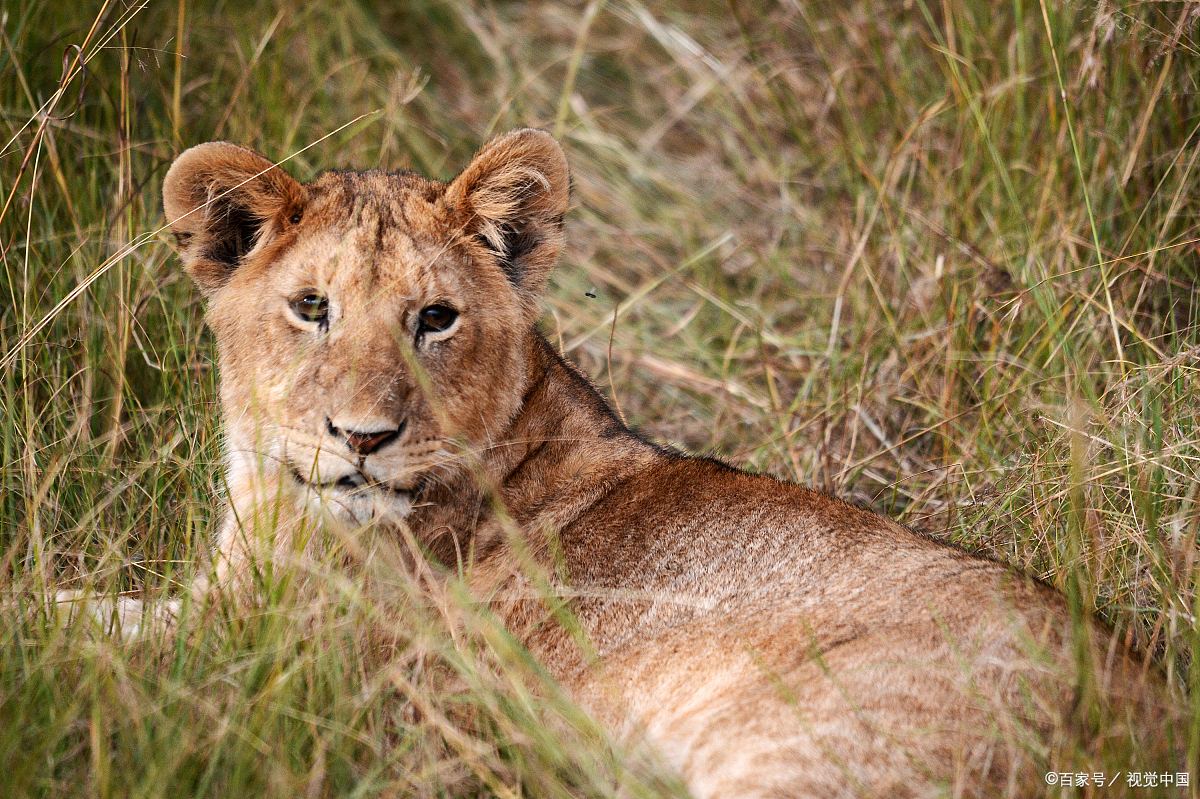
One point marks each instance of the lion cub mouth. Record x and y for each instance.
(355, 483)
(356, 497)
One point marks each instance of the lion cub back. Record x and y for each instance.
(771, 640)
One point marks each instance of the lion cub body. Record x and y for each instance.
(380, 366)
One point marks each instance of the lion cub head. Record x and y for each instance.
(371, 326)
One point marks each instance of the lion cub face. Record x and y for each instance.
(371, 326)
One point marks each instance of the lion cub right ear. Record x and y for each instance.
(512, 197)
(221, 200)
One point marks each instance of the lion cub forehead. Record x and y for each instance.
(402, 200)
(343, 189)
(395, 221)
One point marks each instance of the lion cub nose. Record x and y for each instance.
(364, 443)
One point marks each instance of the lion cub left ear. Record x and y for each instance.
(221, 201)
(512, 196)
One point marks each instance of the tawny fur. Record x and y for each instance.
(765, 639)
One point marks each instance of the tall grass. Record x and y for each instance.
(940, 258)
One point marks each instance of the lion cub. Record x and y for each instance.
(380, 365)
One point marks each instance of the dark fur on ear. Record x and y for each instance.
(512, 197)
(221, 200)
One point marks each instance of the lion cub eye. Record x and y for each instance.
(311, 308)
(437, 318)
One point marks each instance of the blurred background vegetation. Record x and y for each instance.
(941, 258)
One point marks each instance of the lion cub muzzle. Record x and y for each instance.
(360, 471)
(362, 442)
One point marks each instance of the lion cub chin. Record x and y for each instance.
(380, 361)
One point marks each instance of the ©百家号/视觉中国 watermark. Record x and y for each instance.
(1131, 779)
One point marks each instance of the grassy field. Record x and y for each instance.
(940, 258)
